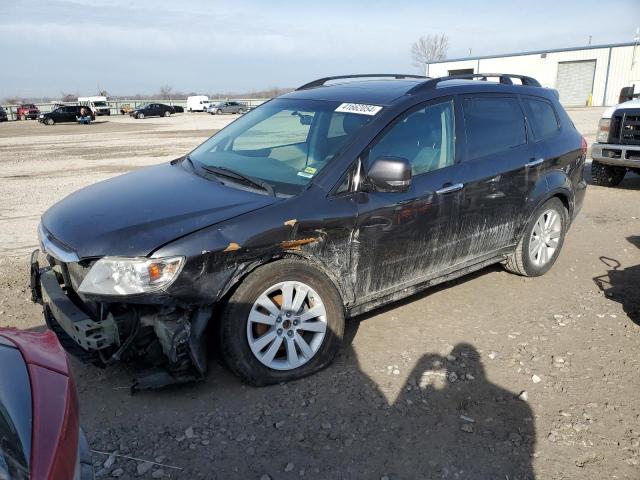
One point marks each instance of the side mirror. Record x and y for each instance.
(390, 174)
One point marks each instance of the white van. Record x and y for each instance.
(98, 104)
(197, 103)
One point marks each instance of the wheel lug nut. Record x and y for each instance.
(279, 331)
(288, 314)
(295, 322)
(290, 333)
(279, 319)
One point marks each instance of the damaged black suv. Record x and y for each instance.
(344, 195)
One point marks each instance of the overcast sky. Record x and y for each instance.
(136, 46)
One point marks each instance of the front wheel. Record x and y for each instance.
(49, 121)
(241, 111)
(606, 175)
(218, 112)
(542, 241)
(284, 321)
(167, 113)
(140, 116)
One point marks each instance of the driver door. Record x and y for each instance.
(403, 238)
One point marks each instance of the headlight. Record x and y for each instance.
(603, 130)
(128, 276)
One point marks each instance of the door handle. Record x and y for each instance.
(450, 188)
(534, 163)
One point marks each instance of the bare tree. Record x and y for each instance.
(429, 48)
(165, 92)
(68, 97)
(102, 93)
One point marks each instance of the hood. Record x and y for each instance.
(135, 213)
(608, 113)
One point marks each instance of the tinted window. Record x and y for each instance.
(424, 137)
(542, 118)
(493, 125)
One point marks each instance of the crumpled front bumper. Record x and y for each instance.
(46, 289)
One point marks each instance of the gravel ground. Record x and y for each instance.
(491, 376)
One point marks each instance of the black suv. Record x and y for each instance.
(66, 113)
(152, 110)
(318, 205)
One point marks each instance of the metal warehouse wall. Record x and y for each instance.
(619, 60)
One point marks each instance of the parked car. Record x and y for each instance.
(197, 103)
(65, 113)
(39, 421)
(27, 111)
(3, 115)
(226, 107)
(152, 110)
(316, 206)
(617, 147)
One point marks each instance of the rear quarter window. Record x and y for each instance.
(493, 124)
(541, 117)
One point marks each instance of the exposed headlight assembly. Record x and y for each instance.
(129, 276)
(603, 130)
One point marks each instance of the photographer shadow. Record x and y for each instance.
(622, 285)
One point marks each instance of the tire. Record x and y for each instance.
(49, 121)
(606, 175)
(236, 326)
(219, 112)
(167, 113)
(140, 116)
(522, 261)
(22, 117)
(241, 111)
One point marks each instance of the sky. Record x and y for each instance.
(50, 47)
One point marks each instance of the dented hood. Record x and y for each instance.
(135, 213)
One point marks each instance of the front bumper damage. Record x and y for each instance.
(167, 342)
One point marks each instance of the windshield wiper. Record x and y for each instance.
(229, 173)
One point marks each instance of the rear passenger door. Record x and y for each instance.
(498, 175)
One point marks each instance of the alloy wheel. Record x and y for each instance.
(286, 325)
(545, 238)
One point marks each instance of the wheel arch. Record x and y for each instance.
(244, 271)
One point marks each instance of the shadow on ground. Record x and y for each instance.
(622, 285)
(444, 419)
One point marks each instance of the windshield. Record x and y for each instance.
(100, 104)
(283, 142)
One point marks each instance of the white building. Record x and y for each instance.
(592, 75)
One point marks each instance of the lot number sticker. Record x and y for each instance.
(359, 108)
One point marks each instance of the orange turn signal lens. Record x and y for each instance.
(154, 272)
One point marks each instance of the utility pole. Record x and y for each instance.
(589, 39)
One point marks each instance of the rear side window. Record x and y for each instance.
(542, 118)
(493, 125)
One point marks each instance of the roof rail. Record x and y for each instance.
(504, 78)
(321, 81)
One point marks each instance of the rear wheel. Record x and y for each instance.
(541, 242)
(606, 175)
(219, 112)
(241, 111)
(285, 321)
(167, 113)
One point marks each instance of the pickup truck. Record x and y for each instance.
(617, 147)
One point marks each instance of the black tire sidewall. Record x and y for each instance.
(535, 270)
(235, 346)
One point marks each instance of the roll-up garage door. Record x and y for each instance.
(575, 82)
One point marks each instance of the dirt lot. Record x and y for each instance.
(491, 376)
